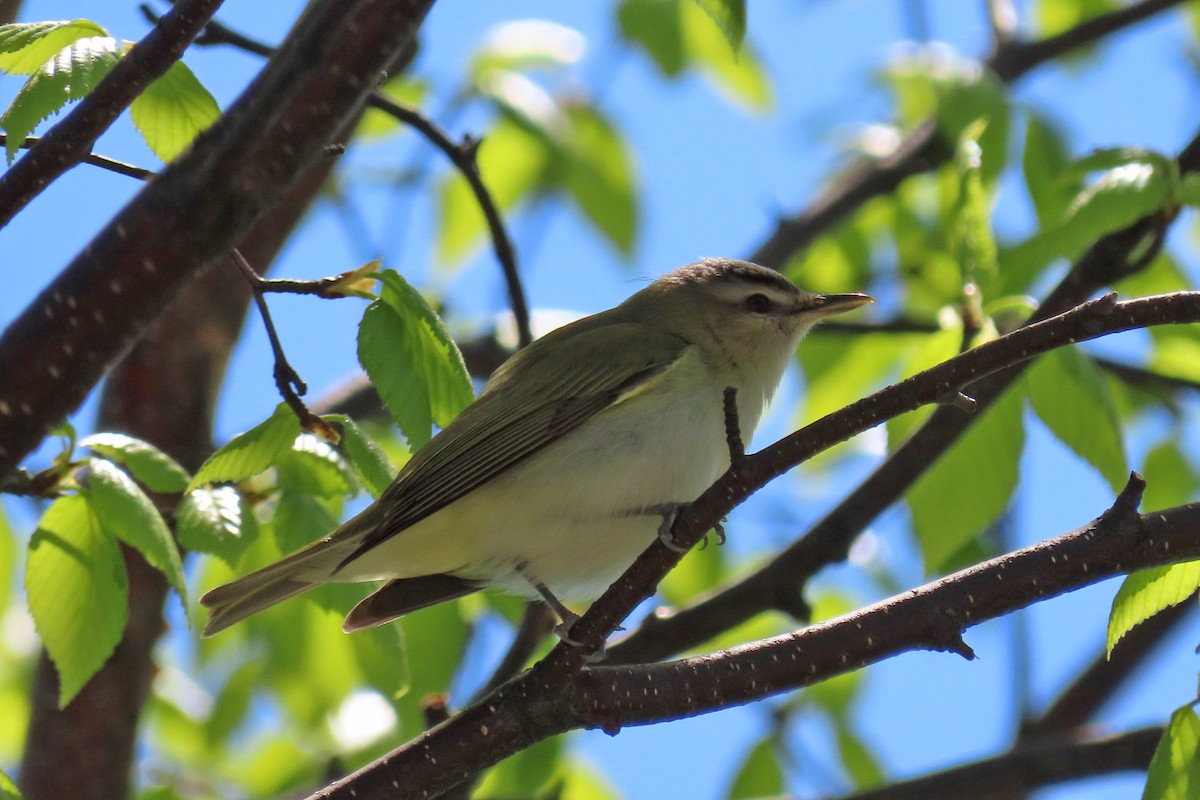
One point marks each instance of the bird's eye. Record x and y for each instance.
(758, 303)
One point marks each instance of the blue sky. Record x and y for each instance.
(703, 193)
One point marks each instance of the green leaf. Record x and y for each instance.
(8, 561)
(760, 774)
(704, 34)
(1044, 165)
(8, 789)
(857, 758)
(656, 27)
(963, 100)
(172, 111)
(25, 47)
(730, 16)
(524, 774)
(734, 69)
(412, 361)
(1052, 17)
(1174, 772)
(217, 521)
(370, 462)
(1170, 479)
(70, 75)
(975, 247)
(513, 162)
(77, 587)
(300, 519)
(934, 349)
(1147, 592)
(315, 467)
(145, 462)
(1116, 200)
(125, 512)
(232, 703)
(600, 177)
(968, 488)
(1074, 401)
(252, 452)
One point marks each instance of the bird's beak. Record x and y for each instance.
(826, 305)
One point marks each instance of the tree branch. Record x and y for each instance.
(70, 140)
(546, 701)
(193, 212)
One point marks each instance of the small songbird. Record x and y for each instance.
(579, 451)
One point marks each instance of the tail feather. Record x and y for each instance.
(274, 583)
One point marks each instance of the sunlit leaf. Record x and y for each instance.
(1055, 16)
(315, 467)
(1174, 772)
(525, 44)
(217, 521)
(735, 70)
(125, 512)
(145, 462)
(525, 773)
(412, 360)
(730, 16)
(655, 26)
(172, 111)
(1147, 592)
(70, 75)
(26, 46)
(76, 582)
(8, 789)
(1072, 398)
(971, 484)
(252, 452)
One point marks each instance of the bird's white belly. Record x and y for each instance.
(578, 512)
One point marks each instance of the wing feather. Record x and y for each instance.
(596, 366)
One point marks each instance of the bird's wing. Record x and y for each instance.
(596, 367)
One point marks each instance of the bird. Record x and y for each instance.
(578, 452)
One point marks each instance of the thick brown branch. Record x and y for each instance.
(70, 140)
(193, 212)
(545, 701)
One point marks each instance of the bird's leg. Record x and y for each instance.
(567, 617)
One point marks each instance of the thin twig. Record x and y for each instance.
(287, 379)
(461, 154)
(110, 164)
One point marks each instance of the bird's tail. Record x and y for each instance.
(274, 583)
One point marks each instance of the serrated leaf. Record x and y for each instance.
(1174, 772)
(512, 163)
(600, 177)
(1147, 592)
(315, 467)
(412, 360)
(252, 452)
(125, 512)
(968, 488)
(759, 775)
(217, 521)
(149, 465)
(1074, 401)
(172, 111)
(26, 46)
(370, 462)
(77, 586)
(70, 75)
